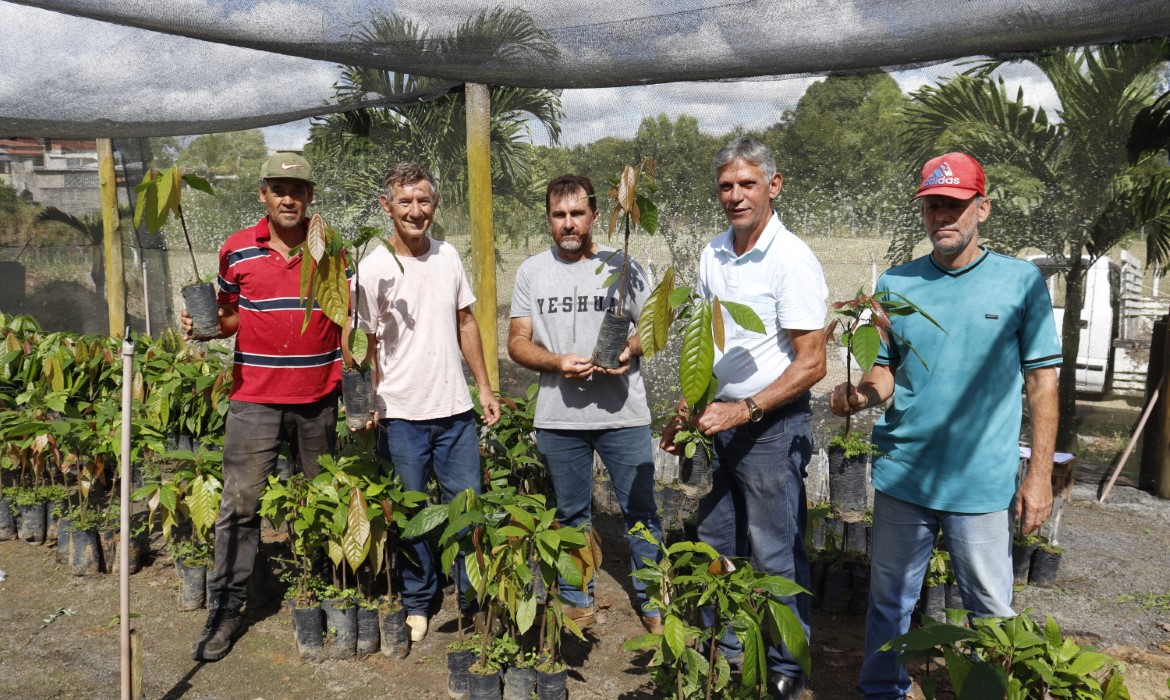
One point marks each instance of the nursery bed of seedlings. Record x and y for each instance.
(61, 638)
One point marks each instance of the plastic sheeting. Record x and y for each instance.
(137, 67)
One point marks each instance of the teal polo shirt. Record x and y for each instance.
(950, 438)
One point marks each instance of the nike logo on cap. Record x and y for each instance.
(289, 166)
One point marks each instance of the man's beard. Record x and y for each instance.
(570, 245)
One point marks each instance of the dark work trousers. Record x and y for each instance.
(253, 436)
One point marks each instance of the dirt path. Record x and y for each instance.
(1121, 548)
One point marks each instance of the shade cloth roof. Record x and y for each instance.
(135, 68)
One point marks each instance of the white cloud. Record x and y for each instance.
(1038, 91)
(60, 67)
(719, 107)
(287, 137)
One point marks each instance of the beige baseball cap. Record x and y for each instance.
(288, 166)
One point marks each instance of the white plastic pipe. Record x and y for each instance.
(126, 473)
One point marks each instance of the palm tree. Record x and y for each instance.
(424, 118)
(1068, 186)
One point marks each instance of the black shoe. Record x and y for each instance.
(223, 624)
(782, 687)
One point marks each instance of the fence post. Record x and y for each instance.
(483, 250)
(1154, 473)
(112, 239)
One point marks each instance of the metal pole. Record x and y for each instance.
(145, 295)
(111, 240)
(126, 476)
(483, 251)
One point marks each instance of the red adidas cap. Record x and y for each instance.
(955, 175)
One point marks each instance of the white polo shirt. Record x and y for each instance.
(782, 281)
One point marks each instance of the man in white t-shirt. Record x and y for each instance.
(760, 421)
(419, 322)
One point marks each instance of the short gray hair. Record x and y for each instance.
(749, 150)
(403, 174)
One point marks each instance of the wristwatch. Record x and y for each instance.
(755, 413)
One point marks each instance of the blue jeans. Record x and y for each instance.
(757, 508)
(626, 452)
(253, 435)
(449, 447)
(903, 537)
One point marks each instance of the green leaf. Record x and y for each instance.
(526, 614)
(359, 345)
(985, 682)
(755, 666)
(929, 636)
(164, 195)
(425, 520)
(784, 625)
(332, 289)
(203, 503)
(641, 642)
(865, 344)
(567, 567)
(679, 296)
(697, 358)
(744, 316)
(717, 332)
(197, 183)
(648, 210)
(654, 322)
(356, 541)
(674, 631)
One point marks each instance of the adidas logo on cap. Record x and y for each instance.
(955, 175)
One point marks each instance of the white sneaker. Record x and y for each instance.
(418, 627)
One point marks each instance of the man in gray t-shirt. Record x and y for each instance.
(558, 304)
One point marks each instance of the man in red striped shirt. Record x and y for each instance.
(284, 382)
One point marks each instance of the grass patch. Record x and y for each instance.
(1147, 601)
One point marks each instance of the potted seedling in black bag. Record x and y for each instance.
(703, 330)
(159, 194)
(635, 209)
(865, 323)
(328, 258)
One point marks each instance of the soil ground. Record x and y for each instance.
(1114, 550)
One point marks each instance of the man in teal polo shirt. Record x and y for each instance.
(948, 444)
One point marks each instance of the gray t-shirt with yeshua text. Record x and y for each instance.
(566, 302)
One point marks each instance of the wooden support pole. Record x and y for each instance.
(136, 665)
(1154, 474)
(112, 239)
(483, 250)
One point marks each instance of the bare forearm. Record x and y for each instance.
(1041, 388)
(472, 347)
(805, 371)
(229, 320)
(528, 354)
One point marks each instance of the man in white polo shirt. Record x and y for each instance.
(760, 422)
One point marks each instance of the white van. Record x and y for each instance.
(1099, 317)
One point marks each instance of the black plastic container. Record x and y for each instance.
(611, 340)
(341, 622)
(202, 308)
(309, 627)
